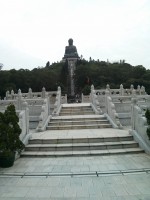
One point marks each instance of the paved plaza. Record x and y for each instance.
(112, 177)
(121, 177)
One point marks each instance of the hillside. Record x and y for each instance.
(98, 73)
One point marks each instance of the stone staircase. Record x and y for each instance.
(95, 146)
(77, 122)
(76, 110)
(79, 132)
(78, 117)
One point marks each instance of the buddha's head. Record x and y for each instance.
(70, 41)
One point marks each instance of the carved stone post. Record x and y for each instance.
(25, 104)
(131, 88)
(133, 103)
(43, 92)
(19, 100)
(12, 94)
(30, 95)
(7, 95)
(139, 90)
(134, 93)
(143, 90)
(121, 90)
(107, 93)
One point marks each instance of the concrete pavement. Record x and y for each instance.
(112, 177)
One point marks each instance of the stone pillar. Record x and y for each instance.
(12, 94)
(133, 103)
(70, 80)
(30, 95)
(71, 69)
(134, 93)
(143, 90)
(7, 95)
(107, 93)
(19, 100)
(43, 92)
(25, 104)
(131, 88)
(138, 90)
(108, 87)
(121, 90)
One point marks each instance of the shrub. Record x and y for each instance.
(147, 114)
(10, 131)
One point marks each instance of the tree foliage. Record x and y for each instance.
(10, 131)
(99, 73)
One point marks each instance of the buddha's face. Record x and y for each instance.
(70, 41)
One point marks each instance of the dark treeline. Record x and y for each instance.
(98, 73)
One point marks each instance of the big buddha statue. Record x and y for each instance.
(70, 50)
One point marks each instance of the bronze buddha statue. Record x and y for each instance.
(71, 50)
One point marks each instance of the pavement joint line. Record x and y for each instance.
(96, 173)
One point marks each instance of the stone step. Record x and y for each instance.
(77, 122)
(81, 140)
(76, 113)
(79, 118)
(81, 153)
(84, 126)
(77, 109)
(81, 146)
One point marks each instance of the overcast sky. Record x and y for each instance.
(33, 32)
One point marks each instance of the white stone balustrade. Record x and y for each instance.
(57, 105)
(111, 111)
(33, 107)
(24, 123)
(30, 95)
(139, 125)
(85, 98)
(44, 116)
(122, 91)
(64, 99)
(94, 101)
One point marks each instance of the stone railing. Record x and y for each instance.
(24, 124)
(85, 98)
(64, 99)
(44, 116)
(143, 102)
(139, 126)
(121, 91)
(30, 95)
(94, 100)
(34, 107)
(111, 112)
(57, 105)
(123, 109)
(5, 103)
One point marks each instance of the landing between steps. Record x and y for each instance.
(83, 133)
(76, 104)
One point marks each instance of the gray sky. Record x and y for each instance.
(36, 31)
